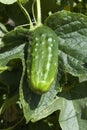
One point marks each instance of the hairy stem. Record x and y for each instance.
(38, 12)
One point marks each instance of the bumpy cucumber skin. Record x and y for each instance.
(42, 59)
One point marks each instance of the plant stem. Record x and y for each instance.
(33, 11)
(38, 12)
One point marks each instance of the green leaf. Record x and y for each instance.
(18, 36)
(9, 55)
(8, 1)
(74, 108)
(71, 29)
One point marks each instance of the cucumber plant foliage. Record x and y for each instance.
(43, 68)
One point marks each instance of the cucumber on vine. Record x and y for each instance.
(42, 61)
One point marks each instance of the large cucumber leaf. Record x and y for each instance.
(71, 28)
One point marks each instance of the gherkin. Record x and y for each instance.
(42, 61)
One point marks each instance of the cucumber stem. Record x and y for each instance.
(38, 12)
(33, 11)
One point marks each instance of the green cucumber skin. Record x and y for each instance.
(42, 60)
